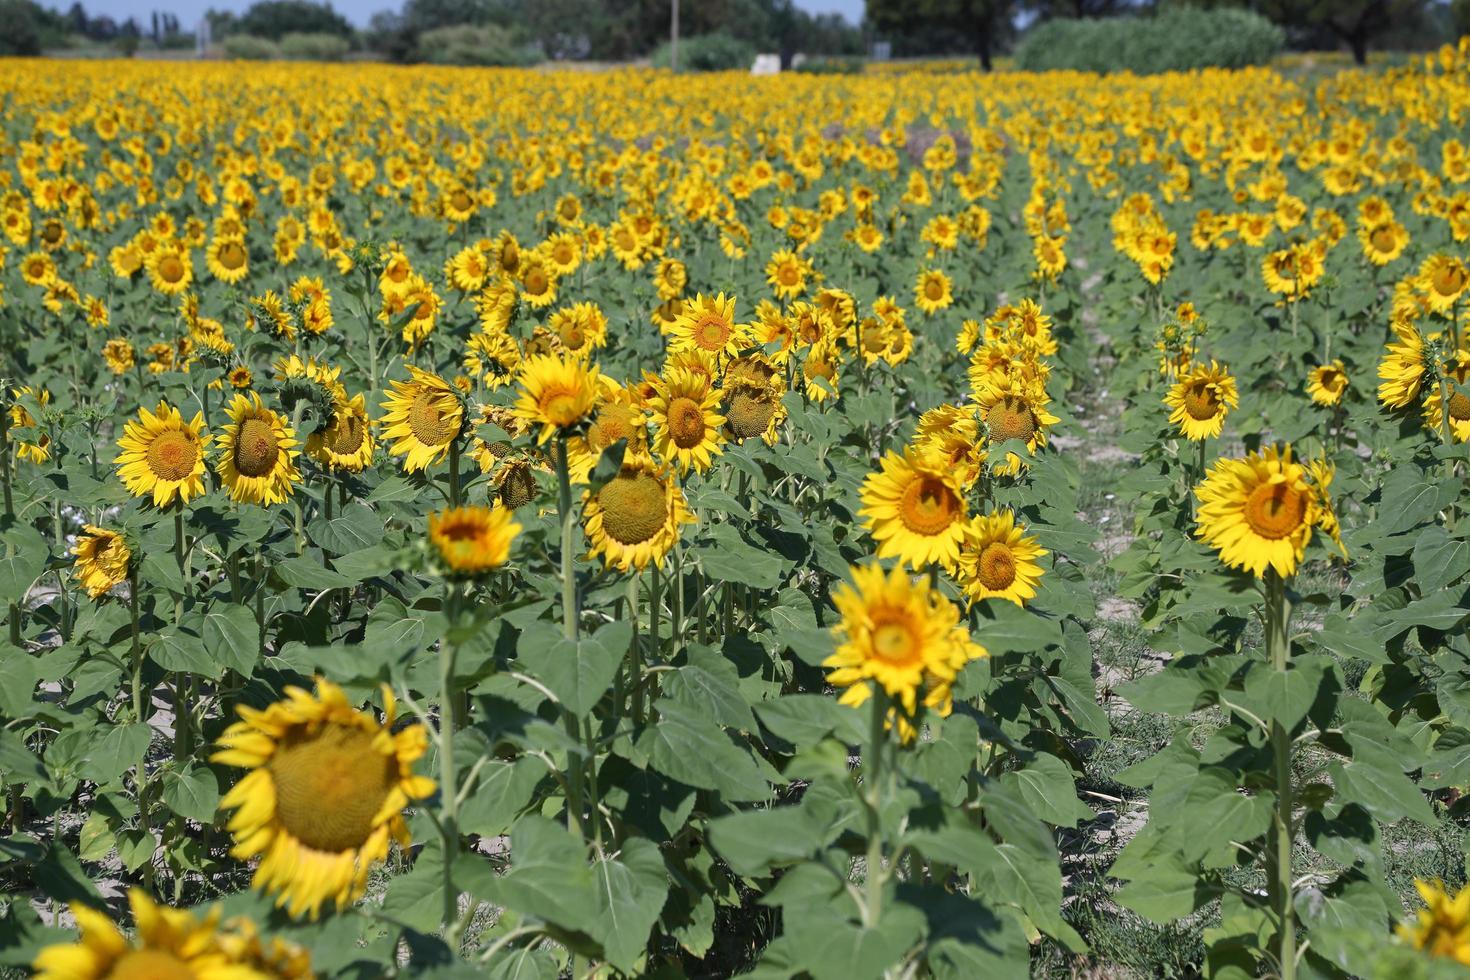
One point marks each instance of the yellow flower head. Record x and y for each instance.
(998, 559)
(1200, 399)
(914, 508)
(102, 559)
(1442, 927)
(163, 456)
(422, 418)
(634, 519)
(1259, 512)
(557, 393)
(257, 461)
(470, 541)
(1327, 382)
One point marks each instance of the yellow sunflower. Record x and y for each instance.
(1403, 366)
(1442, 927)
(1384, 241)
(686, 421)
(901, 635)
(1014, 410)
(1458, 374)
(556, 393)
(422, 418)
(102, 558)
(933, 291)
(633, 520)
(227, 259)
(324, 795)
(914, 508)
(168, 944)
(707, 323)
(162, 455)
(998, 559)
(346, 442)
(1443, 280)
(752, 399)
(787, 274)
(581, 328)
(470, 541)
(1200, 400)
(170, 269)
(1327, 382)
(257, 460)
(1258, 512)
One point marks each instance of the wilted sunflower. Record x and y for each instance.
(998, 559)
(346, 442)
(556, 393)
(422, 418)
(686, 421)
(900, 634)
(1258, 512)
(324, 795)
(707, 323)
(162, 455)
(470, 541)
(914, 509)
(168, 944)
(1200, 400)
(1442, 927)
(257, 460)
(933, 291)
(633, 520)
(102, 558)
(1327, 382)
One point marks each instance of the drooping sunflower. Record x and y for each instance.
(707, 323)
(470, 541)
(901, 635)
(345, 443)
(162, 455)
(821, 371)
(619, 416)
(556, 393)
(915, 510)
(933, 291)
(1442, 927)
(102, 559)
(998, 559)
(257, 460)
(1200, 400)
(633, 520)
(1403, 366)
(168, 943)
(324, 795)
(686, 421)
(422, 417)
(1327, 382)
(1258, 512)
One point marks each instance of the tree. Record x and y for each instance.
(1354, 22)
(276, 18)
(934, 25)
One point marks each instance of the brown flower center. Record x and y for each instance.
(231, 256)
(427, 419)
(1010, 418)
(150, 964)
(996, 566)
(1449, 279)
(749, 415)
(686, 422)
(933, 290)
(572, 335)
(346, 434)
(788, 274)
(536, 282)
(1460, 407)
(256, 448)
(1382, 240)
(711, 332)
(928, 506)
(517, 486)
(562, 408)
(170, 269)
(634, 508)
(172, 455)
(1201, 401)
(330, 783)
(874, 339)
(461, 201)
(1275, 510)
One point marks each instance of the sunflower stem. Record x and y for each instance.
(13, 614)
(569, 624)
(137, 650)
(635, 660)
(454, 471)
(872, 773)
(448, 786)
(1278, 647)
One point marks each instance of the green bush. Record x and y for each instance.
(835, 65)
(248, 47)
(314, 47)
(473, 44)
(1177, 40)
(707, 52)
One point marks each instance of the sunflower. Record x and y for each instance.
(422, 418)
(162, 455)
(168, 943)
(901, 635)
(914, 509)
(538, 282)
(1200, 400)
(1014, 409)
(257, 453)
(707, 323)
(633, 520)
(1403, 366)
(670, 278)
(1442, 927)
(227, 259)
(787, 274)
(102, 559)
(820, 370)
(619, 416)
(933, 291)
(324, 795)
(118, 353)
(1327, 382)
(1457, 373)
(346, 442)
(1383, 242)
(170, 269)
(998, 559)
(38, 269)
(752, 399)
(1258, 512)
(581, 328)
(556, 393)
(1443, 280)
(470, 541)
(686, 421)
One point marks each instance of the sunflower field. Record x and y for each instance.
(480, 522)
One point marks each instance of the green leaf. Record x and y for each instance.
(687, 746)
(23, 557)
(1439, 559)
(711, 684)
(357, 526)
(549, 877)
(116, 750)
(728, 557)
(755, 841)
(182, 651)
(578, 672)
(301, 572)
(1284, 696)
(193, 794)
(416, 899)
(502, 790)
(18, 763)
(1047, 787)
(1381, 790)
(805, 719)
(629, 891)
(231, 635)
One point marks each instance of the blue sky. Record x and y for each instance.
(357, 11)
